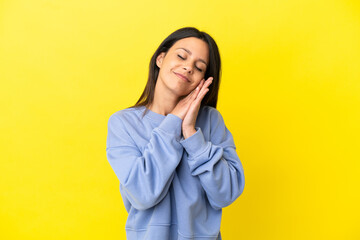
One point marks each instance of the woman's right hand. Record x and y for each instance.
(183, 105)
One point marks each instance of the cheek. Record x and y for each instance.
(201, 75)
(198, 79)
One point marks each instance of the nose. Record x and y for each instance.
(188, 68)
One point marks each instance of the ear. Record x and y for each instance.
(159, 59)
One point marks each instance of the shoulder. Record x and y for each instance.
(127, 115)
(211, 114)
(212, 119)
(126, 111)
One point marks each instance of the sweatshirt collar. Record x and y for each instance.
(155, 117)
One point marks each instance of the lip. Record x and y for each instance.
(182, 77)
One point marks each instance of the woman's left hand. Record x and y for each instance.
(188, 124)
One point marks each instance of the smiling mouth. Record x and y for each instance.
(182, 77)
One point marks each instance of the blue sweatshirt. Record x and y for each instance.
(173, 188)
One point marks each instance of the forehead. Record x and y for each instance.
(196, 46)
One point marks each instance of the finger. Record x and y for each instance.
(206, 85)
(201, 83)
(202, 94)
(196, 92)
(197, 89)
(209, 81)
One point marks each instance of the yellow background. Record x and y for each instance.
(290, 94)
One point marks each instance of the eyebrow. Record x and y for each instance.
(191, 53)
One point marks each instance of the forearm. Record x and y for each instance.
(218, 168)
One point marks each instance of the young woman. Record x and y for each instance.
(172, 153)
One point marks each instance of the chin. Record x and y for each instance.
(181, 92)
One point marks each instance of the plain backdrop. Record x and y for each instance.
(290, 95)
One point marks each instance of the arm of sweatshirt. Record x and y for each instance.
(144, 177)
(216, 162)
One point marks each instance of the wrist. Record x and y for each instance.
(188, 132)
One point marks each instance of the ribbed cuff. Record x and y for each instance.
(172, 125)
(195, 144)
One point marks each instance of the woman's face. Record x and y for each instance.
(183, 66)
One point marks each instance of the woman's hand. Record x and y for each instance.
(188, 124)
(183, 105)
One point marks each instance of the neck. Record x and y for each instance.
(164, 100)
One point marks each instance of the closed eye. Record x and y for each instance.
(195, 66)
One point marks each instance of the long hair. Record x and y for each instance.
(213, 68)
